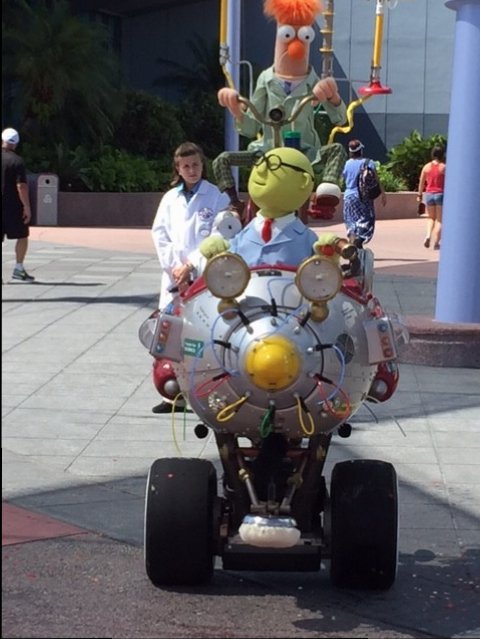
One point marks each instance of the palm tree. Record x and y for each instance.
(61, 80)
(200, 115)
(204, 75)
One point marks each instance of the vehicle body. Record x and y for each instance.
(274, 361)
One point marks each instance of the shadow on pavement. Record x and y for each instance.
(136, 300)
(435, 594)
(45, 283)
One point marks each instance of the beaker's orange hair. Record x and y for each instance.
(292, 11)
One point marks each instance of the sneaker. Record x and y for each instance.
(22, 275)
(436, 247)
(426, 242)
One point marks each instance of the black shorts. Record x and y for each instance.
(13, 226)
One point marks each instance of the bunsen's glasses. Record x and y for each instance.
(274, 162)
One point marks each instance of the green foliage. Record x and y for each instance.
(105, 168)
(390, 182)
(64, 83)
(199, 114)
(149, 126)
(68, 164)
(202, 119)
(38, 159)
(203, 75)
(407, 158)
(102, 169)
(117, 171)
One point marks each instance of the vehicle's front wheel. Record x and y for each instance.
(364, 524)
(179, 521)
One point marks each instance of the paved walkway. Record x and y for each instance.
(78, 437)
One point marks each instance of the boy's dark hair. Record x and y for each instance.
(184, 150)
(438, 153)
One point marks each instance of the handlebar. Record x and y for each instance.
(276, 116)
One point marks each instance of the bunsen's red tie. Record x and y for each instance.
(267, 230)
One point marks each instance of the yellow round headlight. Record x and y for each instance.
(273, 363)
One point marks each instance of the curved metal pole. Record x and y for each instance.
(350, 109)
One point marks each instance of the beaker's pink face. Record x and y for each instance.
(292, 49)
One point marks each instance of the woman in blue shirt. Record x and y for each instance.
(358, 214)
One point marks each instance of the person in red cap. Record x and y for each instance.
(16, 213)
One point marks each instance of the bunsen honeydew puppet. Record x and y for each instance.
(287, 81)
(279, 183)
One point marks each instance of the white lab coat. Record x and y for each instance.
(179, 227)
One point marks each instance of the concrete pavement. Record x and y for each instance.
(78, 438)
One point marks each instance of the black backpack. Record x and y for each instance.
(367, 183)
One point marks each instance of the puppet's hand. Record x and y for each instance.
(212, 246)
(326, 246)
(332, 247)
(229, 98)
(326, 90)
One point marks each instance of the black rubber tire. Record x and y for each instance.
(179, 521)
(364, 524)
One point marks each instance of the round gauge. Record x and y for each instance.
(318, 279)
(226, 275)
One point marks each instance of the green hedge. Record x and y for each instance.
(139, 155)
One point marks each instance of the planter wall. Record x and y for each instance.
(107, 209)
(138, 209)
